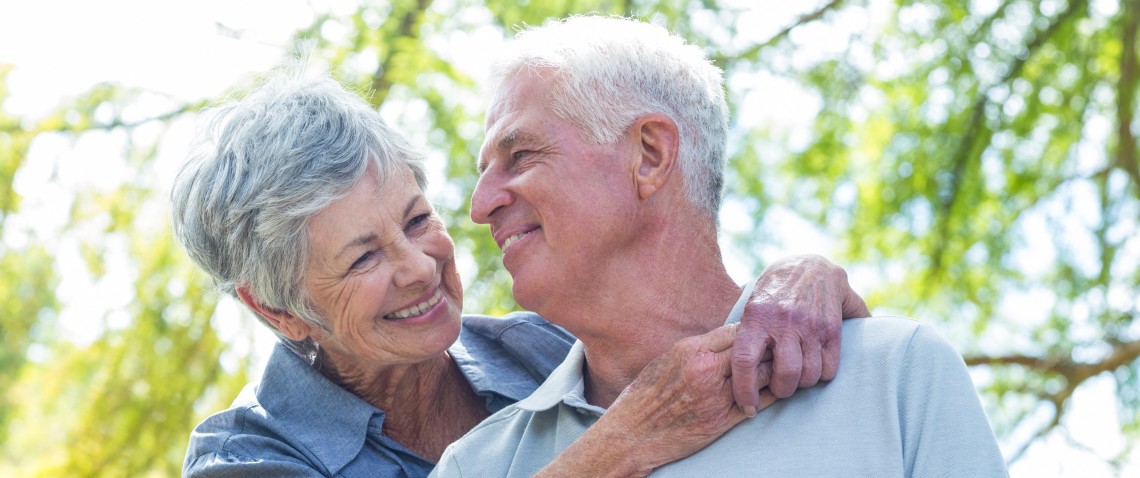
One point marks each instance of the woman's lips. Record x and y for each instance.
(417, 309)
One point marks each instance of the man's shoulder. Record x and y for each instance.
(891, 326)
(897, 334)
(889, 332)
(500, 423)
(503, 433)
(899, 383)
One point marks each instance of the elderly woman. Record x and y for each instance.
(300, 201)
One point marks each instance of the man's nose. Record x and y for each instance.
(490, 194)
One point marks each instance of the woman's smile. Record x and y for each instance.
(416, 309)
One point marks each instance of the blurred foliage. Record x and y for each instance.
(981, 157)
(977, 160)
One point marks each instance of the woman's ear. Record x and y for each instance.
(656, 135)
(293, 327)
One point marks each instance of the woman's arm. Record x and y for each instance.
(678, 404)
(684, 400)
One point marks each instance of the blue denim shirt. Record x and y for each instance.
(298, 423)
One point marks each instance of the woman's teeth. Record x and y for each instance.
(418, 308)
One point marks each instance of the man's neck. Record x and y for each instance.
(655, 296)
(612, 363)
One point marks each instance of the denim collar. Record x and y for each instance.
(333, 423)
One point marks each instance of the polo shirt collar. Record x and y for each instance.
(567, 383)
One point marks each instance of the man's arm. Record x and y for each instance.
(795, 316)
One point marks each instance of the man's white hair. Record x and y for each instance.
(608, 71)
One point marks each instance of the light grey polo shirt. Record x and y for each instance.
(902, 405)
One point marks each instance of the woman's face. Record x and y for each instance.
(381, 272)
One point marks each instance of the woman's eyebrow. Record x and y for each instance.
(359, 241)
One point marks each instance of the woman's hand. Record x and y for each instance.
(705, 385)
(795, 314)
(678, 404)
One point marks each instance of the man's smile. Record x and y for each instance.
(514, 237)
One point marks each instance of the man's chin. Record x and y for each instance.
(531, 286)
(526, 297)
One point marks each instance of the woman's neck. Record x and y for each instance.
(427, 405)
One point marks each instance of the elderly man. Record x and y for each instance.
(601, 178)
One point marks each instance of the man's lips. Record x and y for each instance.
(511, 238)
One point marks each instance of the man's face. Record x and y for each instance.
(559, 206)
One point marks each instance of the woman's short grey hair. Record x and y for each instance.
(261, 167)
(609, 71)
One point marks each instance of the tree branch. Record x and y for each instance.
(119, 123)
(801, 21)
(409, 28)
(1126, 96)
(1075, 374)
(1123, 353)
(999, 12)
(966, 144)
(1040, 433)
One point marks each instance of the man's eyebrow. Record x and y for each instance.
(505, 143)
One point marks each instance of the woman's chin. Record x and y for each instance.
(435, 329)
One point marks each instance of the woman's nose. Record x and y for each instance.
(415, 266)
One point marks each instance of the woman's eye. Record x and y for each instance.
(361, 261)
(418, 220)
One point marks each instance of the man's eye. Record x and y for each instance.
(523, 159)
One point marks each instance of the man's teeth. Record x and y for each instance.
(418, 308)
(511, 240)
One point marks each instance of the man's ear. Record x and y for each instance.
(293, 327)
(657, 141)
